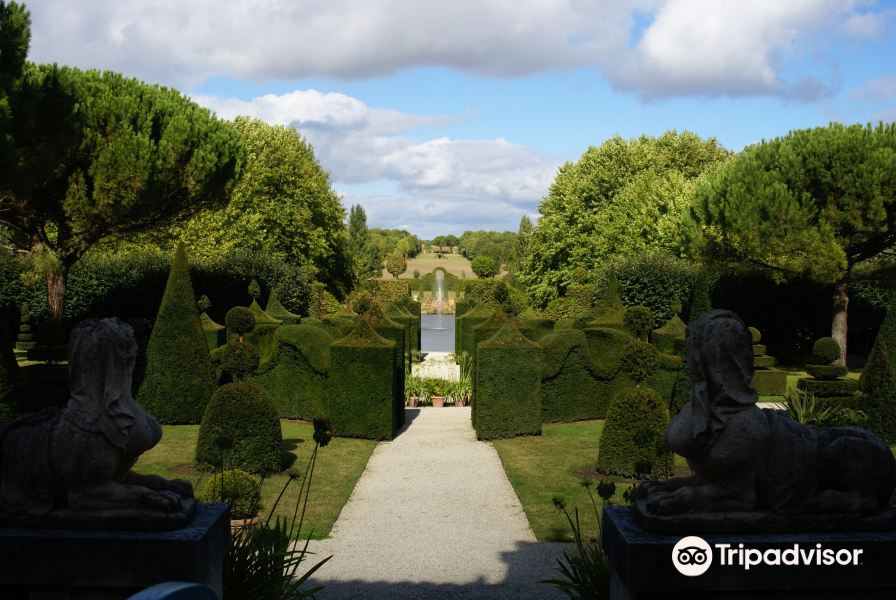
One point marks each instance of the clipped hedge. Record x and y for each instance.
(670, 337)
(394, 332)
(362, 388)
(415, 309)
(399, 315)
(633, 442)
(654, 281)
(8, 374)
(179, 377)
(388, 292)
(476, 316)
(482, 291)
(570, 389)
(215, 334)
(878, 385)
(506, 394)
(240, 429)
(296, 375)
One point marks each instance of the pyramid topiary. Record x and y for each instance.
(879, 389)
(179, 377)
(278, 311)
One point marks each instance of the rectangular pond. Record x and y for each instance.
(437, 333)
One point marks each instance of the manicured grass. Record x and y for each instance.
(553, 465)
(425, 263)
(339, 465)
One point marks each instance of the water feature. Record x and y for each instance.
(438, 328)
(438, 295)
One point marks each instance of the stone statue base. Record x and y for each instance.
(642, 567)
(113, 564)
(761, 521)
(122, 519)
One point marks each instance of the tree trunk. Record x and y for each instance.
(838, 321)
(56, 280)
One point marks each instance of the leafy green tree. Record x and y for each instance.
(283, 205)
(15, 35)
(484, 266)
(816, 202)
(502, 246)
(96, 154)
(388, 241)
(366, 262)
(396, 264)
(621, 198)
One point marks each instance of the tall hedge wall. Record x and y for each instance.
(8, 374)
(415, 309)
(474, 317)
(399, 315)
(394, 332)
(506, 393)
(362, 392)
(179, 376)
(390, 291)
(571, 388)
(297, 373)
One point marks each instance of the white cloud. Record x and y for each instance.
(881, 89)
(687, 47)
(442, 184)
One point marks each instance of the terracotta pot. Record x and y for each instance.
(411, 402)
(236, 524)
(438, 401)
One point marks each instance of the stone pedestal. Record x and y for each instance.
(642, 565)
(63, 564)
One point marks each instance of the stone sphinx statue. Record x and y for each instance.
(760, 470)
(72, 469)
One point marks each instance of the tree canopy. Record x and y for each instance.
(816, 202)
(388, 241)
(283, 205)
(484, 266)
(621, 198)
(366, 262)
(499, 245)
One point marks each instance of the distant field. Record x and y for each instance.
(453, 263)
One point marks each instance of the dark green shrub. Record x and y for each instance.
(878, 385)
(239, 358)
(242, 416)
(204, 303)
(239, 320)
(8, 374)
(828, 388)
(701, 302)
(481, 292)
(388, 292)
(394, 332)
(261, 317)
(650, 280)
(506, 386)
(681, 392)
(633, 442)
(215, 334)
(638, 320)
(565, 307)
(362, 388)
(639, 360)
(476, 316)
(825, 350)
(179, 377)
(296, 375)
(236, 488)
(254, 290)
(827, 371)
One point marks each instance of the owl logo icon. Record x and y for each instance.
(692, 556)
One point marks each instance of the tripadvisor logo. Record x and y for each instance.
(693, 556)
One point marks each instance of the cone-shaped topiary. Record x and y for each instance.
(633, 442)
(236, 488)
(276, 310)
(179, 375)
(879, 387)
(700, 301)
(240, 429)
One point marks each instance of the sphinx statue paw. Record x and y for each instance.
(164, 500)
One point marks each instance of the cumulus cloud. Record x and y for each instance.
(446, 183)
(656, 48)
(881, 89)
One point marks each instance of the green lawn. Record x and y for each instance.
(338, 468)
(554, 464)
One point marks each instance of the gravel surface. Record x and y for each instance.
(434, 516)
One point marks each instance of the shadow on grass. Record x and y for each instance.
(524, 568)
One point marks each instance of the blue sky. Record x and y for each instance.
(439, 117)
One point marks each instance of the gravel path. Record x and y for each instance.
(433, 516)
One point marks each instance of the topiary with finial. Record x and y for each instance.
(239, 320)
(825, 351)
(254, 290)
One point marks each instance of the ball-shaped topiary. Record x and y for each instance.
(363, 303)
(633, 443)
(825, 350)
(236, 488)
(240, 358)
(243, 416)
(239, 320)
(755, 335)
(639, 321)
(484, 266)
(639, 360)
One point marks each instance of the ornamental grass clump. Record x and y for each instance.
(263, 561)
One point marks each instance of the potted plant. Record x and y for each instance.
(438, 390)
(412, 390)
